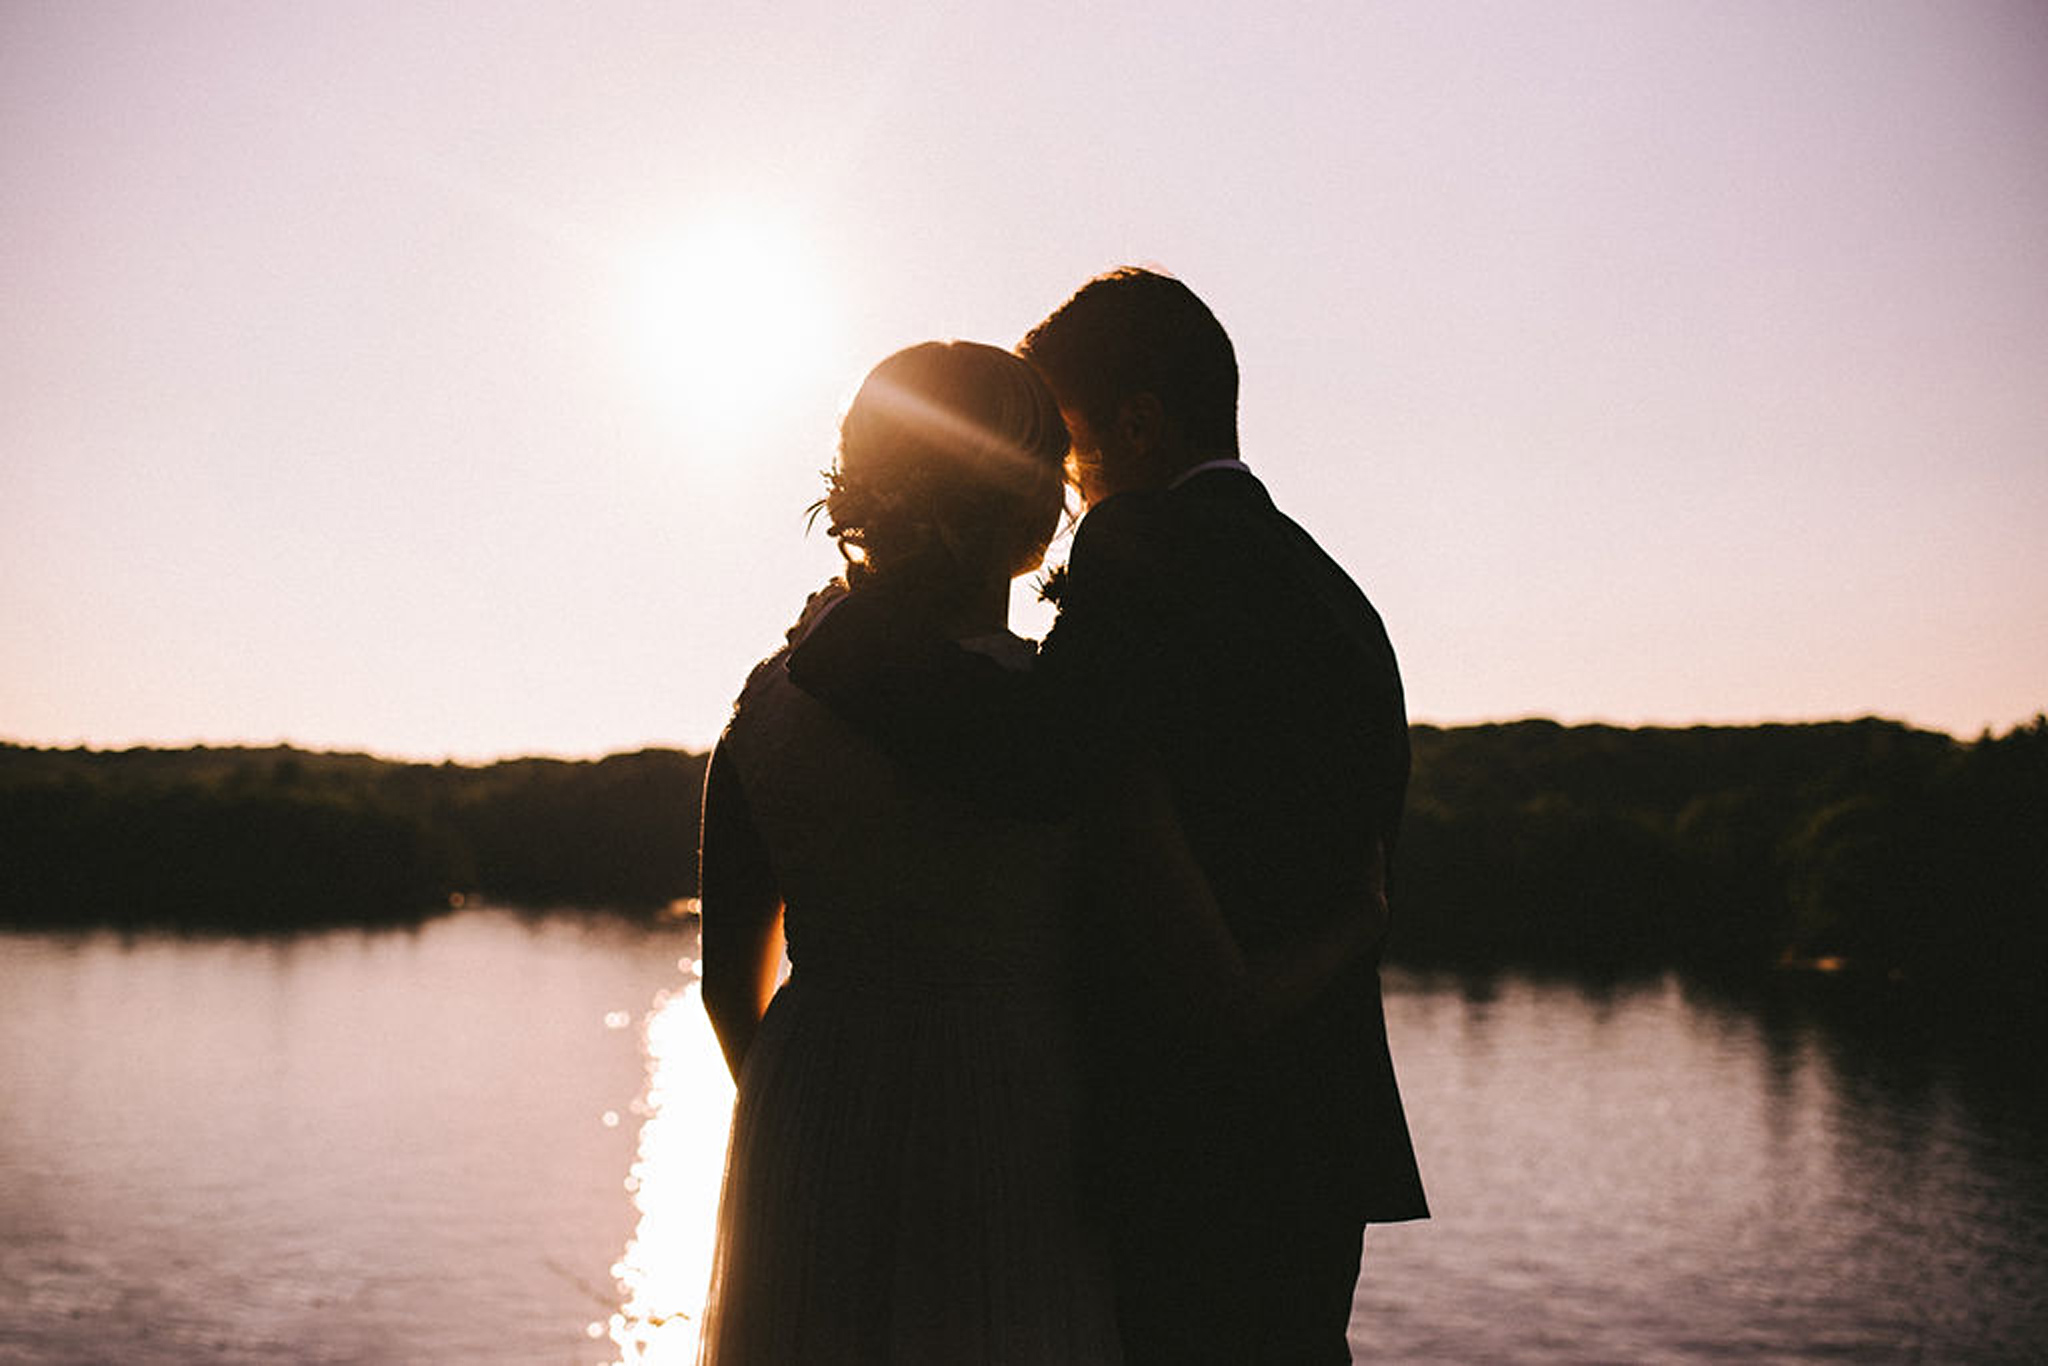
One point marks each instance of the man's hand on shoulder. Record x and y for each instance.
(864, 634)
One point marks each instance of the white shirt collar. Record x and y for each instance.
(1206, 466)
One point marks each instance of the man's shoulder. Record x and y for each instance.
(1124, 534)
(1164, 517)
(1134, 512)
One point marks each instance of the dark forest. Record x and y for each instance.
(1864, 850)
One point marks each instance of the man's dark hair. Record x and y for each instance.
(1134, 331)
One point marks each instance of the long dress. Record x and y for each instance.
(900, 1183)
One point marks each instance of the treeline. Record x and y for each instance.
(280, 838)
(1890, 853)
(1865, 847)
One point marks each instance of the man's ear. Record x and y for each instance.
(1141, 423)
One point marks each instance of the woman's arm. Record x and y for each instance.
(1145, 874)
(741, 925)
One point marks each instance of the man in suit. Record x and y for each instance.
(1206, 642)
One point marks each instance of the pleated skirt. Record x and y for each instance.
(900, 1185)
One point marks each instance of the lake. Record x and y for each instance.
(495, 1138)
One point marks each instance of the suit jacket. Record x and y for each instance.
(1206, 633)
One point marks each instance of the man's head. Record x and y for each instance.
(1145, 376)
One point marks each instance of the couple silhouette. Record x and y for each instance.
(1080, 1057)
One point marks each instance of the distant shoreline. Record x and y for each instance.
(282, 746)
(1862, 851)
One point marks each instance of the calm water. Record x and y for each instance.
(493, 1140)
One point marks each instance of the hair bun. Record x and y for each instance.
(950, 468)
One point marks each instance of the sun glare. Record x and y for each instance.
(729, 320)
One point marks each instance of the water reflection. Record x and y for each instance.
(345, 1148)
(666, 1266)
(1660, 1171)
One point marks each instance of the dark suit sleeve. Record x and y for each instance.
(954, 717)
(1016, 743)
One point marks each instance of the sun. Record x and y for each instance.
(728, 320)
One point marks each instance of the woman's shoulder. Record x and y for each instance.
(815, 608)
(774, 669)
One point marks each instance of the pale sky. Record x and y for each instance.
(451, 379)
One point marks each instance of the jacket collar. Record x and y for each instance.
(1208, 465)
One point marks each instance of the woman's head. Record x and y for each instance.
(950, 469)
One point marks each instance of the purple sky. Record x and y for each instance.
(394, 376)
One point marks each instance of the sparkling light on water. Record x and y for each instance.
(1620, 1171)
(666, 1266)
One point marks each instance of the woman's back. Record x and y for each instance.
(901, 1182)
(873, 865)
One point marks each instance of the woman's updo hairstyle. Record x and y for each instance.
(950, 468)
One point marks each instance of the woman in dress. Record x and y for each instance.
(900, 1185)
